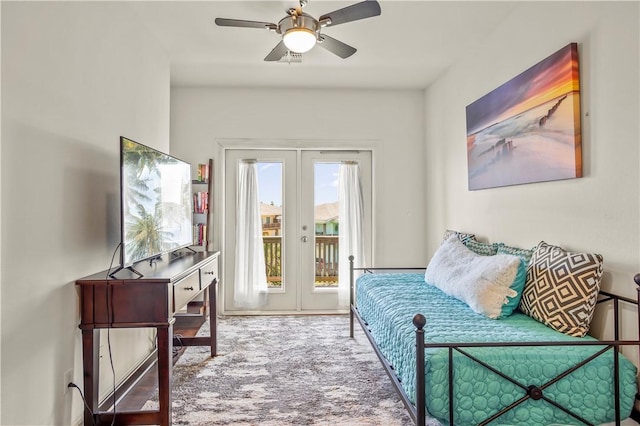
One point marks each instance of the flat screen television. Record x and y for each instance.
(155, 203)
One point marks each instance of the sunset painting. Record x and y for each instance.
(528, 129)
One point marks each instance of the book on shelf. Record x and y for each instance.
(200, 234)
(201, 202)
(203, 173)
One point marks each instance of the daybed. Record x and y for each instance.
(529, 362)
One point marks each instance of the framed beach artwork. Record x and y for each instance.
(528, 129)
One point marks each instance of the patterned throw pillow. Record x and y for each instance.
(461, 235)
(483, 249)
(524, 254)
(562, 288)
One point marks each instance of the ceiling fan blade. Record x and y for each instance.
(277, 53)
(336, 46)
(362, 10)
(224, 22)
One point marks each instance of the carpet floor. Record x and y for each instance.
(284, 370)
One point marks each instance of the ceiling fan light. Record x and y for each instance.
(299, 40)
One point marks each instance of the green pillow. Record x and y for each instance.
(521, 276)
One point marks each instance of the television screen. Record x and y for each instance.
(156, 202)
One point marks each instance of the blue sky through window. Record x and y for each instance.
(270, 182)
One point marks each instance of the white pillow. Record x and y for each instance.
(482, 282)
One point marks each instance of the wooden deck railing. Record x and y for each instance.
(326, 254)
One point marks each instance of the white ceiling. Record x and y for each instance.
(409, 45)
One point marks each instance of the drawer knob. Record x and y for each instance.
(209, 273)
(188, 288)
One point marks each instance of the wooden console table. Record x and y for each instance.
(129, 301)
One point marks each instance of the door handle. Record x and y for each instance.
(304, 239)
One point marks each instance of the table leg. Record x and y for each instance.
(213, 316)
(91, 370)
(165, 368)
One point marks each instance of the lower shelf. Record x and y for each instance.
(194, 309)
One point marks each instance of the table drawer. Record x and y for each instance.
(208, 273)
(185, 290)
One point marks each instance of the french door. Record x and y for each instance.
(299, 209)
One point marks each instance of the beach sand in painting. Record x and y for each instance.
(536, 145)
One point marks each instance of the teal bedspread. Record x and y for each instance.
(388, 302)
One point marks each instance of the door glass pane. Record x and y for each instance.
(326, 220)
(271, 212)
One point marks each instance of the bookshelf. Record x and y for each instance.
(202, 206)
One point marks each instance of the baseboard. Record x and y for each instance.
(127, 384)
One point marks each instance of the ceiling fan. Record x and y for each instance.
(301, 31)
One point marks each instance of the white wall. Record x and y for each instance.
(200, 118)
(75, 76)
(0, 209)
(599, 212)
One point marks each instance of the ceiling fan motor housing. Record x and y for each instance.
(299, 22)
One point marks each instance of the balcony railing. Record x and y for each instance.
(326, 260)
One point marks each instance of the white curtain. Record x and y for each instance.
(250, 274)
(351, 238)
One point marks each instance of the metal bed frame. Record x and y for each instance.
(418, 411)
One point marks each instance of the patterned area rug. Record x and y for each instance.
(284, 370)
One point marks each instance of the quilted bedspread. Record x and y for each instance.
(388, 302)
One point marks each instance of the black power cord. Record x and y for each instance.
(109, 301)
(86, 405)
(178, 346)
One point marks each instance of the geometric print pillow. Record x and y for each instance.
(562, 288)
(483, 249)
(462, 236)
